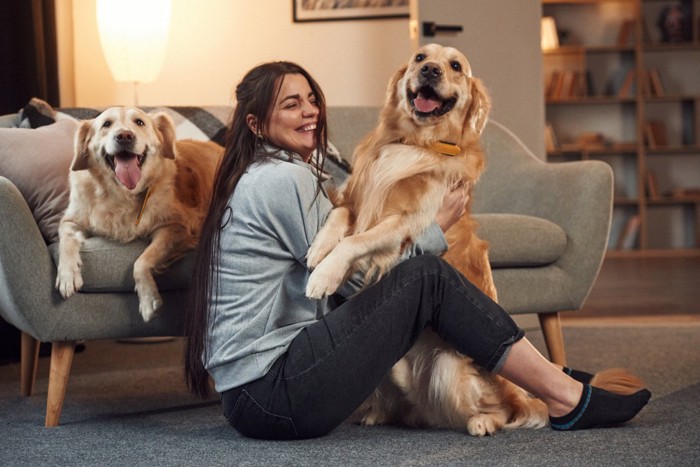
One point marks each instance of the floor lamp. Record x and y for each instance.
(134, 37)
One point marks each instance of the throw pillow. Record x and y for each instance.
(38, 161)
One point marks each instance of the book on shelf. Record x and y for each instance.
(551, 85)
(566, 84)
(550, 139)
(627, 87)
(620, 78)
(652, 186)
(655, 134)
(625, 36)
(628, 237)
(656, 87)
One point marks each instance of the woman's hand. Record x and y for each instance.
(454, 205)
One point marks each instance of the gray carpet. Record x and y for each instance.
(126, 405)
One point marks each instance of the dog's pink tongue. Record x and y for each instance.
(425, 105)
(127, 169)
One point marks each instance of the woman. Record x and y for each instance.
(288, 367)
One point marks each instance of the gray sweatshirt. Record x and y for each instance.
(259, 305)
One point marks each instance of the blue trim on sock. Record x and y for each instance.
(566, 426)
(568, 371)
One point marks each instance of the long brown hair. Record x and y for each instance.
(255, 95)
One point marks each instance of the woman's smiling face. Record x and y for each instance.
(293, 118)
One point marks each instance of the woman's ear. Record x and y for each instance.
(252, 123)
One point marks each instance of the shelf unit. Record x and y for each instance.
(621, 90)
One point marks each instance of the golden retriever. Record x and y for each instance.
(130, 179)
(427, 141)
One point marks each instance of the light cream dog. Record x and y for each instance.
(427, 141)
(130, 179)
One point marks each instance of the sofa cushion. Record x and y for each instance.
(521, 241)
(37, 162)
(98, 252)
(515, 241)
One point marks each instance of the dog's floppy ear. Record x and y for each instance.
(480, 106)
(81, 153)
(392, 92)
(166, 132)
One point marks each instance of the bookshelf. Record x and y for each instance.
(621, 86)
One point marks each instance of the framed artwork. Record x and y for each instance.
(336, 10)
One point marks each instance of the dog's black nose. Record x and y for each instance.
(431, 71)
(124, 136)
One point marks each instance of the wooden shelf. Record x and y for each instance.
(672, 201)
(640, 90)
(666, 150)
(574, 2)
(594, 49)
(671, 46)
(593, 100)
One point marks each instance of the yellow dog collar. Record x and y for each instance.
(446, 148)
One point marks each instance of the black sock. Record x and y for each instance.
(598, 408)
(580, 376)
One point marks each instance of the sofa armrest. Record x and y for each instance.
(577, 196)
(9, 120)
(27, 272)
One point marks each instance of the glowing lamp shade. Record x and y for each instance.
(134, 36)
(550, 40)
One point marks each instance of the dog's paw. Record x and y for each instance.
(371, 418)
(481, 425)
(322, 245)
(324, 281)
(69, 279)
(147, 290)
(149, 307)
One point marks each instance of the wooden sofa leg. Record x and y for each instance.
(553, 337)
(29, 362)
(61, 361)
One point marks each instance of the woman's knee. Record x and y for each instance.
(425, 264)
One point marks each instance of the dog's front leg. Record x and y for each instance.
(157, 254)
(334, 269)
(333, 231)
(69, 279)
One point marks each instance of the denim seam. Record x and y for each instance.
(250, 398)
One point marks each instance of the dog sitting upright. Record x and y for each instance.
(427, 141)
(130, 179)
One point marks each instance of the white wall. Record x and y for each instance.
(214, 42)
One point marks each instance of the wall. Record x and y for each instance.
(214, 42)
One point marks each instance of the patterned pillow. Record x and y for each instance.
(198, 123)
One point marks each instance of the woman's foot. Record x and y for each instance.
(599, 408)
(578, 375)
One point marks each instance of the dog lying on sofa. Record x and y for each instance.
(131, 179)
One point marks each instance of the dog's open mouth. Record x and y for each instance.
(426, 102)
(127, 167)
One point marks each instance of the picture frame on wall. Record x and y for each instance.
(326, 10)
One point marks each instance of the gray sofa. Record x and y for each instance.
(547, 225)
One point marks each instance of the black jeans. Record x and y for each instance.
(332, 366)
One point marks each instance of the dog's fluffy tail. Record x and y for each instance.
(617, 380)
